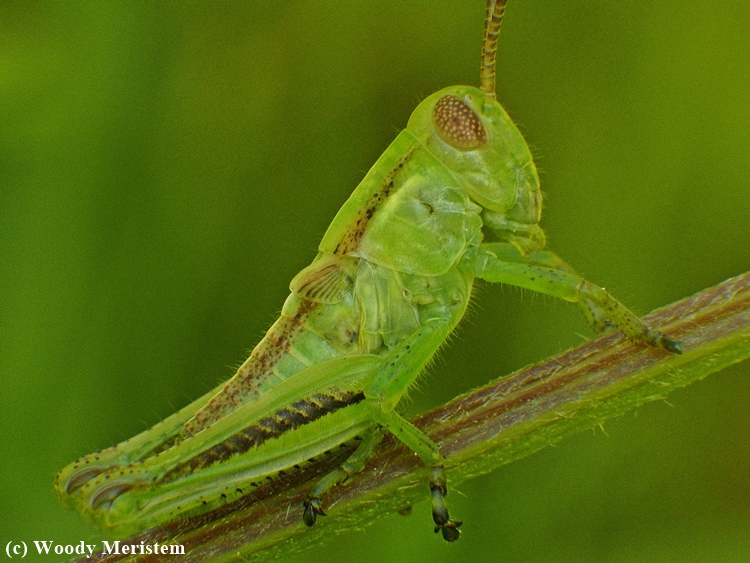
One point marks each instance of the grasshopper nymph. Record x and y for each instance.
(392, 279)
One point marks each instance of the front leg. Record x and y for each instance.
(507, 252)
(491, 262)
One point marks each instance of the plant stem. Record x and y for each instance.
(501, 422)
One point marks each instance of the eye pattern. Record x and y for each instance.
(458, 124)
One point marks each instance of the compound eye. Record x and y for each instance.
(458, 124)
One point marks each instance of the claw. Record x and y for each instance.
(443, 522)
(313, 507)
(449, 529)
(659, 339)
(674, 346)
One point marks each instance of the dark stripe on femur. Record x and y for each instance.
(296, 415)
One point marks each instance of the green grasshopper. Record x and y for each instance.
(392, 279)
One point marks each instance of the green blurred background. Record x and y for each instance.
(167, 167)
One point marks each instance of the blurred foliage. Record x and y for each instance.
(167, 167)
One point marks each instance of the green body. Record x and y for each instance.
(392, 279)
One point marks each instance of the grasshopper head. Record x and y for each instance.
(469, 132)
(472, 135)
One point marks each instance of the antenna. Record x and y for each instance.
(495, 12)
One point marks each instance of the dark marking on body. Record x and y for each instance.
(352, 237)
(296, 415)
(259, 367)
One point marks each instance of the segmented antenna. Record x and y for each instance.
(495, 12)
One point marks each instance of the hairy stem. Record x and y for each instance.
(501, 422)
